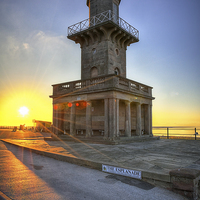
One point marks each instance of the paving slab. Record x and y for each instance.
(25, 175)
(157, 156)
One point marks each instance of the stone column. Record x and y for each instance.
(128, 119)
(73, 119)
(138, 119)
(61, 119)
(112, 119)
(64, 118)
(105, 118)
(117, 118)
(151, 120)
(55, 119)
(147, 120)
(88, 119)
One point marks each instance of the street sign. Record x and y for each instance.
(122, 171)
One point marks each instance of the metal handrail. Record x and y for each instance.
(101, 18)
(176, 132)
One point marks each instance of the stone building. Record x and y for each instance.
(104, 102)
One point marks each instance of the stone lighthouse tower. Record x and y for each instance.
(103, 45)
(104, 104)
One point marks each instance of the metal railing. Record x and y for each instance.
(180, 132)
(13, 127)
(101, 18)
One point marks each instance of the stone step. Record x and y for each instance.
(100, 139)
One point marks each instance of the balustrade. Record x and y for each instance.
(134, 86)
(102, 83)
(124, 82)
(79, 85)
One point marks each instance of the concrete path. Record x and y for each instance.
(18, 182)
(155, 159)
(26, 175)
(159, 156)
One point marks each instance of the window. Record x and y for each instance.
(117, 71)
(94, 72)
(117, 52)
(94, 51)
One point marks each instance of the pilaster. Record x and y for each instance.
(128, 119)
(73, 119)
(151, 120)
(138, 119)
(117, 118)
(147, 119)
(112, 118)
(55, 119)
(88, 120)
(106, 125)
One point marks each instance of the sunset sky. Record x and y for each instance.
(35, 53)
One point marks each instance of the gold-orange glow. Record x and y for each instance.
(13, 113)
(23, 111)
(175, 117)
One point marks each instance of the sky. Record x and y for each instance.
(35, 54)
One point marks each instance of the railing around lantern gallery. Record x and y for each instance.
(101, 18)
(108, 82)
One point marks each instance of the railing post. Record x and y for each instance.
(167, 133)
(109, 14)
(195, 130)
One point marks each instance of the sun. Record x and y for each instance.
(23, 111)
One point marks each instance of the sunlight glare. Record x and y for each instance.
(23, 111)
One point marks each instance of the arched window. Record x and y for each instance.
(94, 72)
(117, 71)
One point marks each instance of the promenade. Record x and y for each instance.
(154, 158)
(27, 175)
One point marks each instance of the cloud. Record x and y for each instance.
(26, 46)
(41, 58)
(37, 47)
(174, 94)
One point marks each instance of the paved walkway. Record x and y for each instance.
(159, 156)
(19, 182)
(25, 175)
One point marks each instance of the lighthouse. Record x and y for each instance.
(103, 104)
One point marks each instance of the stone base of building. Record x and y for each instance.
(186, 182)
(101, 140)
(107, 106)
